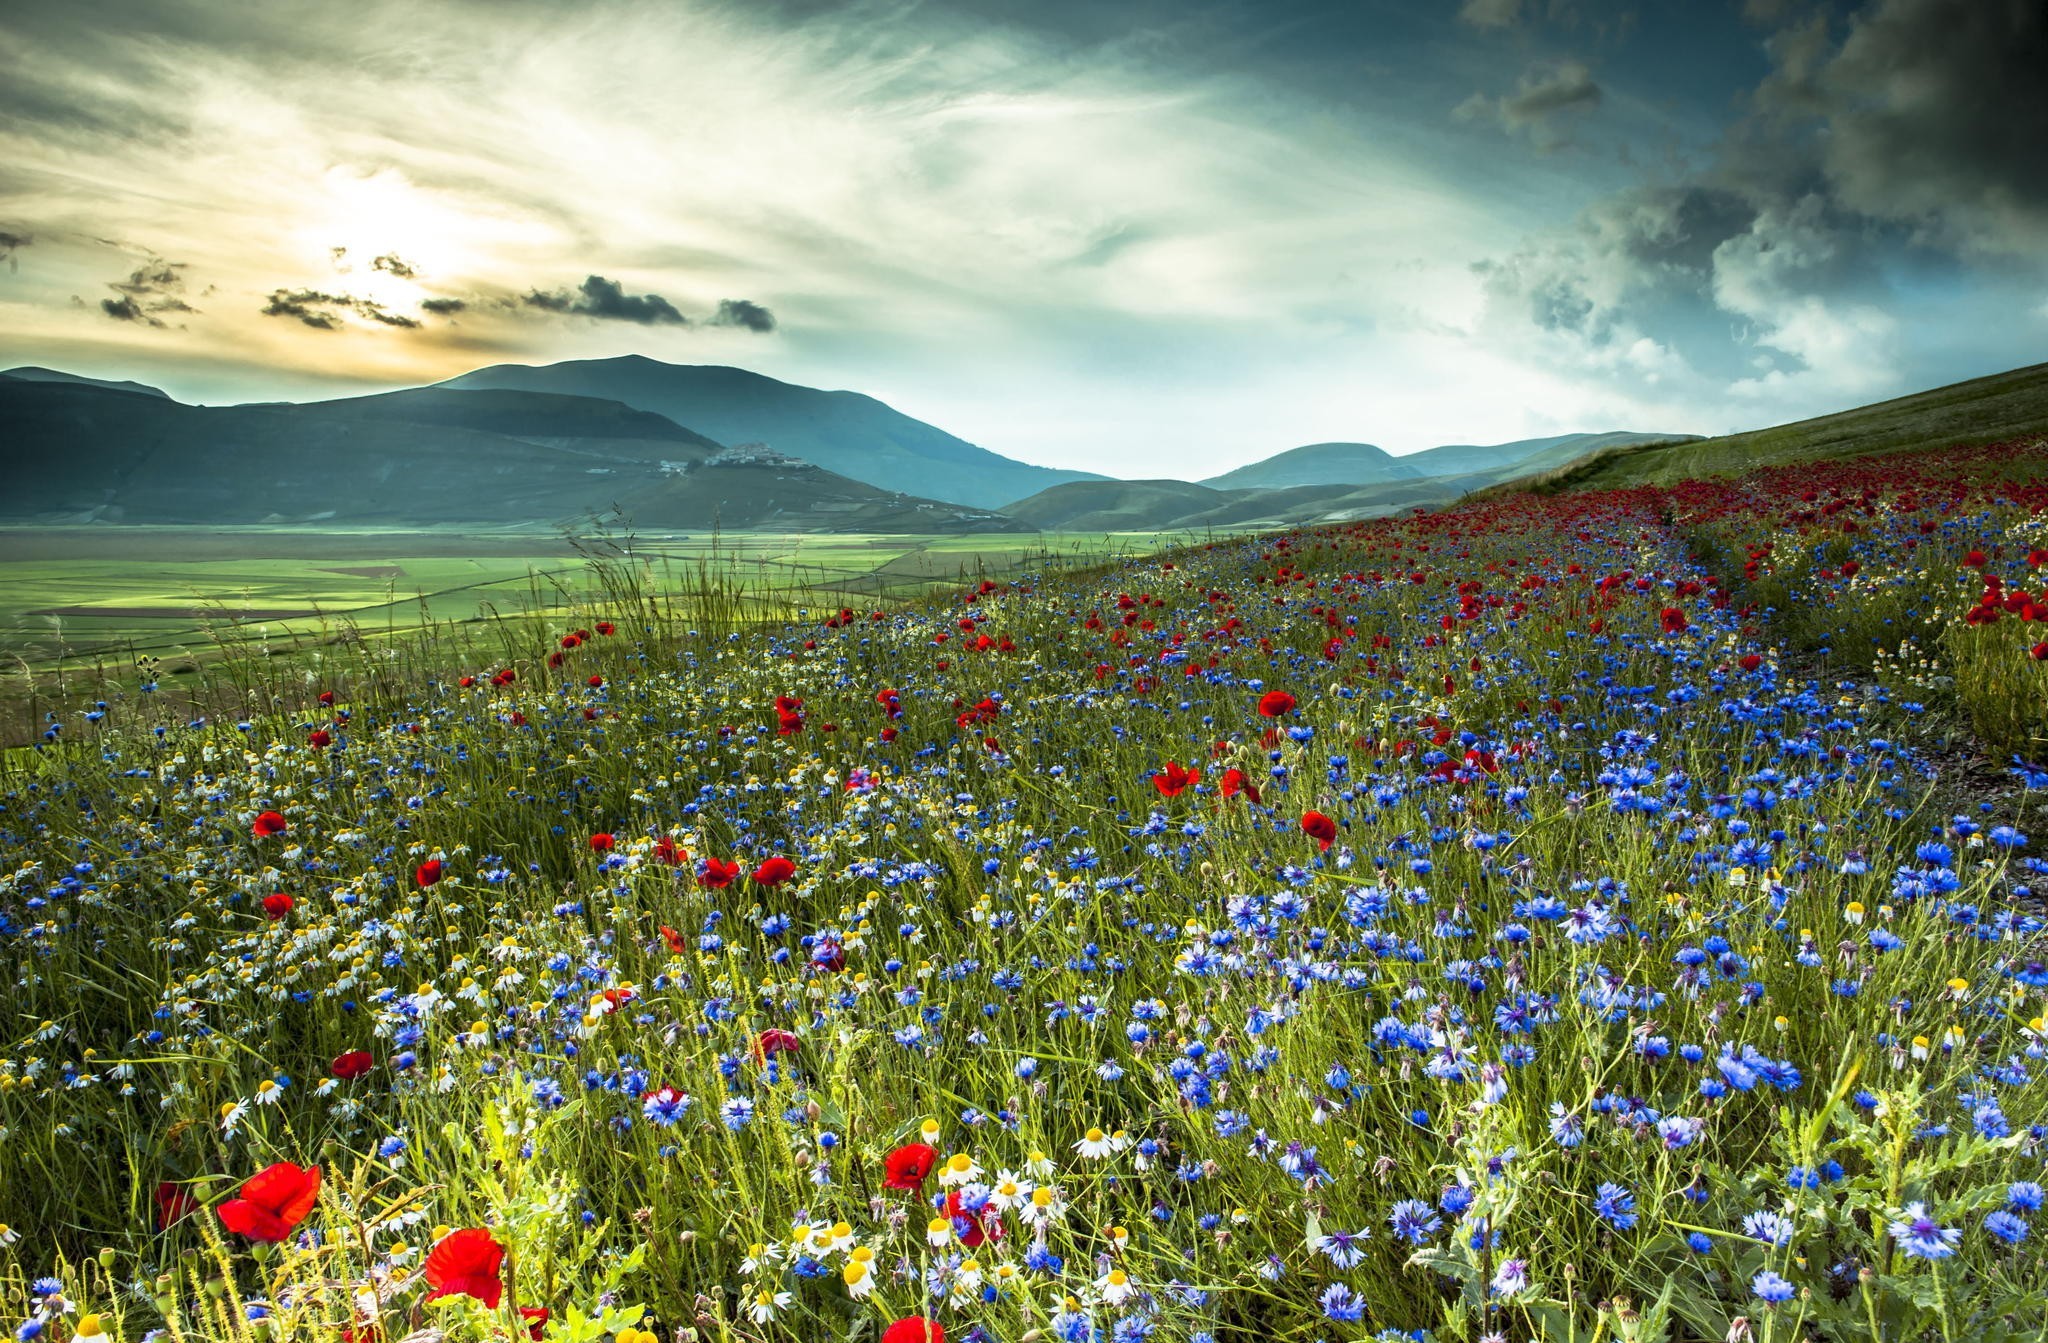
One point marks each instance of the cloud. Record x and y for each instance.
(1490, 13)
(390, 264)
(126, 309)
(324, 312)
(608, 299)
(741, 312)
(156, 286)
(1543, 94)
(10, 243)
(443, 307)
(1936, 115)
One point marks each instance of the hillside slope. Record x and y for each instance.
(79, 453)
(1981, 410)
(846, 432)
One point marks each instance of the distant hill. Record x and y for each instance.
(74, 452)
(31, 373)
(1981, 410)
(846, 432)
(1175, 505)
(1317, 464)
(1467, 459)
(1117, 505)
(1364, 464)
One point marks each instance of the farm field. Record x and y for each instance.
(1610, 913)
(84, 599)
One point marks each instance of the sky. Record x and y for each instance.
(1159, 238)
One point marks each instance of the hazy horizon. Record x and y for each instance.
(1151, 239)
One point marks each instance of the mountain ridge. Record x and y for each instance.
(847, 432)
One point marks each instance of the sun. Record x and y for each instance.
(388, 240)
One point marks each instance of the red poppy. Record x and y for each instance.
(2039, 652)
(973, 1228)
(769, 1043)
(270, 823)
(348, 1067)
(277, 905)
(466, 1263)
(174, 1203)
(1750, 662)
(1975, 560)
(272, 1202)
(327, 697)
(1319, 827)
(1673, 620)
(570, 641)
(1274, 703)
(1235, 782)
(600, 842)
(915, 1329)
(907, 1166)
(539, 1314)
(888, 734)
(1174, 779)
(427, 873)
(715, 875)
(674, 939)
(774, 871)
(606, 628)
(668, 851)
(595, 682)
(320, 739)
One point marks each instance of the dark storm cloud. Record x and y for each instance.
(443, 307)
(324, 312)
(1937, 115)
(391, 264)
(1909, 136)
(608, 299)
(741, 312)
(10, 243)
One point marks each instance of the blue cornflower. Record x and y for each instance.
(1615, 1206)
(2006, 1226)
(1920, 1236)
(1772, 1288)
(1413, 1220)
(2023, 1196)
(737, 1113)
(1341, 1303)
(1700, 1242)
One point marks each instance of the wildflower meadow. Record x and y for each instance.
(1608, 914)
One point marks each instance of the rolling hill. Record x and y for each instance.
(1317, 464)
(81, 453)
(1980, 410)
(33, 373)
(1363, 464)
(846, 432)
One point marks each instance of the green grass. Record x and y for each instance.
(1982, 410)
(80, 607)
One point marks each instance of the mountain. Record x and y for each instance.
(854, 435)
(1117, 505)
(1463, 459)
(1981, 410)
(1175, 505)
(1317, 464)
(32, 373)
(76, 452)
(1364, 464)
